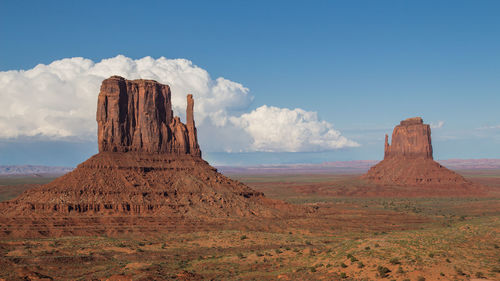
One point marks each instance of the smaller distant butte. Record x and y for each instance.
(408, 161)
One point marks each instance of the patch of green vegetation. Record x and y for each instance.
(383, 271)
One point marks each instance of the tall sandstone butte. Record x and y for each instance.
(410, 139)
(149, 164)
(137, 116)
(408, 161)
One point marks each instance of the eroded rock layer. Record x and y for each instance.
(138, 184)
(408, 161)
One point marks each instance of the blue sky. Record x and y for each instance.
(361, 65)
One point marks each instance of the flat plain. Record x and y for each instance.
(359, 232)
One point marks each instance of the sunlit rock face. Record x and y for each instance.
(408, 160)
(136, 115)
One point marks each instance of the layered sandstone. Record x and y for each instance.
(136, 115)
(410, 139)
(139, 184)
(149, 164)
(408, 161)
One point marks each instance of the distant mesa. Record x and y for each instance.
(149, 164)
(408, 160)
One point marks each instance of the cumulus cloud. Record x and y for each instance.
(495, 127)
(283, 129)
(437, 125)
(58, 101)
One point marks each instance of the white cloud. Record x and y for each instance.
(489, 127)
(437, 125)
(283, 129)
(58, 101)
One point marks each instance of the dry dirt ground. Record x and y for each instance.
(360, 232)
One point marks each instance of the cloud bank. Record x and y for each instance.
(58, 101)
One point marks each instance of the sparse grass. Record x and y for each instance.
(395, 261)
(383, 271)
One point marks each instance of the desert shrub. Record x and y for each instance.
(479, 274)
(121, 245)
(367, 248)
(241, 256)
(259, 254)
(243, 237)
(343, 265)
(383, 271)
(460, 271)
(287, 248)
(431, 255)
(377, 245)
(496, 246)
(278, 251)
(361, 265)
(442, 274)
(183, 264)
(308, 242)
(328, 265)
(448, 260)
(421, 278)
(313, 269)
(400, 270)
(354, 259)
(343, 275)
(395, 261)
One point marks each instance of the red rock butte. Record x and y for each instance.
(149, 164)
(408, 161)
(137, 116)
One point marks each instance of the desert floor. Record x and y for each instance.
(360, 232)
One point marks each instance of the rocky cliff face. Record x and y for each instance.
(408, 161)
(410, 139)
(137, 116)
